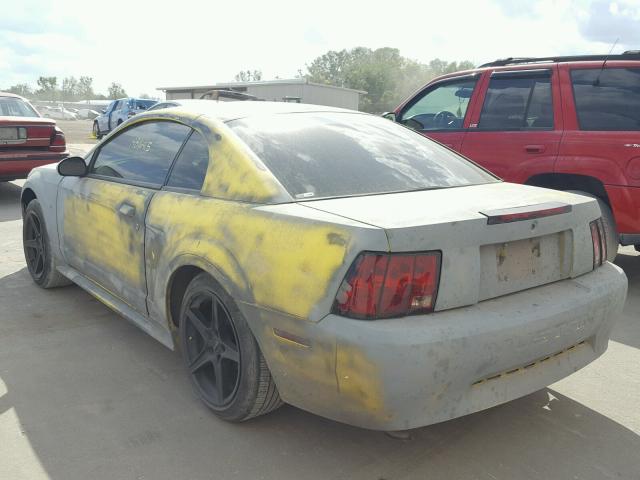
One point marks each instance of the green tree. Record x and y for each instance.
(85, 88)
(48, 88)
(384, 74)
(116, 91)
(22, 89)
(70, 89)
(248, 76)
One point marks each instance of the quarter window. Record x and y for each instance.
(191, 166)
(517, 103)
(607, 99)
(440, 108)
(142, 153)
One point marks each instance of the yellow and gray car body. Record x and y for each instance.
(495, 334)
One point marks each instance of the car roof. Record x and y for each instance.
(227, 111)
(7, 94)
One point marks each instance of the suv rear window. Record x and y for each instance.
(607, 99)
(320, 155)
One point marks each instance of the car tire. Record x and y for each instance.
(223, 360)
(96, 131)
(38, 254)
(609, 222)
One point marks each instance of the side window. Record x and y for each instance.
(142, 153)
(607, 100)
(440, 108)
(191, 166)
(517, 102)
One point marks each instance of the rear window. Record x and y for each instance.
(319, 155)
(15, 107)
(607, 99)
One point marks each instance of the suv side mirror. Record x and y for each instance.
(389, 116)
(72, 167)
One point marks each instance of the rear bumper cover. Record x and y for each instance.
(18, 164)
(415, 371)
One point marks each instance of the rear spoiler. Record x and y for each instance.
(527, 212)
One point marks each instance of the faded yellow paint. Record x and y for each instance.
(284, 263)
(96, 233)
(235, 173)
(359, 381)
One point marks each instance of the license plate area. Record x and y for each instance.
(10, 135)
(513, 266)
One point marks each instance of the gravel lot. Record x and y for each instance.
(85, 395)
(77, 131)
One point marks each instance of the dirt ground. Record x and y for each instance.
(77, 131)
(85, 395)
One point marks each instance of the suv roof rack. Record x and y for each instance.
(628, 55)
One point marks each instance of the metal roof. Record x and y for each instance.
(293, 81)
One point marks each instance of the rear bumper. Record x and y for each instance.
(415, 371)
(15, 165)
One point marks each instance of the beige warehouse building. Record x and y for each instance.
(295, 90)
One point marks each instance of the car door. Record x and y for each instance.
(102, 214)
(517, 131)
(103, 118)
(440, 110)
(113, 114)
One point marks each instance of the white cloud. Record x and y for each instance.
(146, 44)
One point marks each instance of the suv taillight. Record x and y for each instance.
(599, 242)
(385, 285)
(58, 142)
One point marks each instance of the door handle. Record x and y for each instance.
(534, 148)
(127, 210)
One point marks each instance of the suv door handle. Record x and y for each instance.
(534, 148)
(127, 210)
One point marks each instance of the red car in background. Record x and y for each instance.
(27, 140)
(567, 123)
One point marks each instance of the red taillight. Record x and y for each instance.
(58, 142)
(599, 242)
(383, 285)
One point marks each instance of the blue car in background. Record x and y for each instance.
(117, 112)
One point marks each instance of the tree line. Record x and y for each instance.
(386, 76)
(383, 73)
(71, 89)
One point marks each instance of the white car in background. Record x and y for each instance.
(59, 113)
(87, 113)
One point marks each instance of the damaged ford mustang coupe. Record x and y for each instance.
(329, 259)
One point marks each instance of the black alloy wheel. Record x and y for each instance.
(212, 351)
(34, 246)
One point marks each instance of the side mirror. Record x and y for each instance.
(72, 167)
(389, 116)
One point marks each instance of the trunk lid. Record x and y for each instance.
(25, 132)
(481, 260)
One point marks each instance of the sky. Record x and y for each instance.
(148, 44)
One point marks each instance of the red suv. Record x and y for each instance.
(567, 123)
(26, 139)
